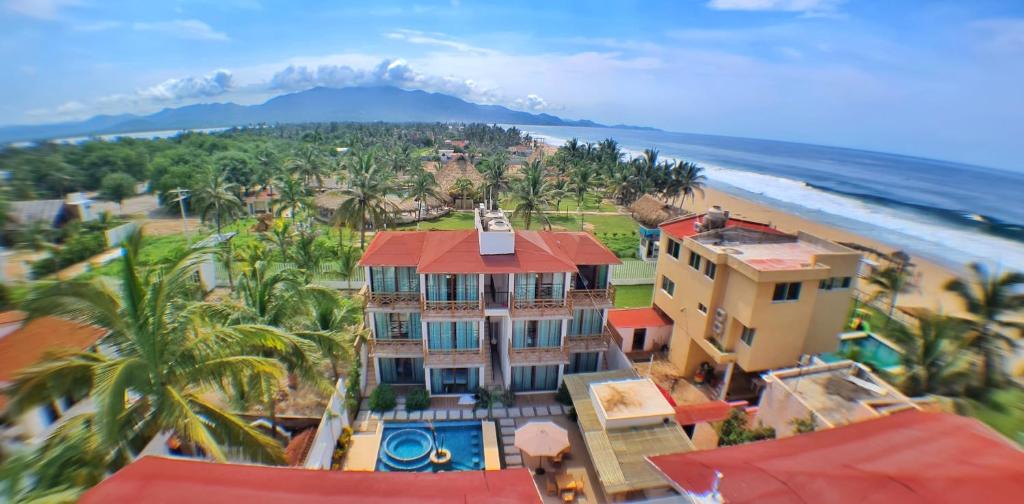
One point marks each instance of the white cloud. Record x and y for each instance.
(40, 9)
(1001, 34)
(191, 29)
(805, 6)
(532, 103)
(435, 39)
(214, 84)
(95, 26)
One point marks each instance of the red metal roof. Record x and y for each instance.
(908, 457)
(459, 252)
(684, 227)
(711, 411)
(175, 481)
(637, 317)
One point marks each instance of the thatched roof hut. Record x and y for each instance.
(651, 211)
(448, 173)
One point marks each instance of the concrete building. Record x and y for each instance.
(832, 394)
(456, 310)
(745, 298)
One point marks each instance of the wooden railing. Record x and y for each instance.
(588, 343)
(539, 355)
(398, 347)
(473, 308)
(598, 298)
(393, 298)
(455, 357)
(540, 306)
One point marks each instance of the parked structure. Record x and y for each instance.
(455, 310)
(53, 212)
(745, 298)
(830, 395)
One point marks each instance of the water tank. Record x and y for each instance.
(499, 225)
(715, 219)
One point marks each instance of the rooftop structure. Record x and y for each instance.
(629, 403)
(768, 250)
(620, 454)
(909, 457)
(834, 394)
(165, 480)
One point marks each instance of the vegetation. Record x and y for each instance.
(369, 185)
(737, 430)
(488, 398)
(633, 296)
(117, 187)
(804, 425)
(934, 360)
(383, 398)
(889, 282)
(418, 399)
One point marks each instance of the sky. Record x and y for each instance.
(939, 79)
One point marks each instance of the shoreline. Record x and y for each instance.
(930, 276)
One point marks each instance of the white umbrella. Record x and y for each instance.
(542, 439)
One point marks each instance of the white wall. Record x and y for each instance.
(616, 359)
(335, 419)
(656, 337)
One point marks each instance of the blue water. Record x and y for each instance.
(406, 446)
(872, 351)
(948, 212)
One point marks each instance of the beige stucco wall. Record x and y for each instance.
(656, 336)
(778, 408)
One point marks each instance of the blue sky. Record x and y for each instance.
(936, 79)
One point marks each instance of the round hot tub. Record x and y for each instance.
(408, 447)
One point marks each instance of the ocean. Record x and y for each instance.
(950, 213)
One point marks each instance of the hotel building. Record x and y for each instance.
(456, 310)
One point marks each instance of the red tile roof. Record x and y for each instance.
(711, 411)
(684, 227)
(298, 448)
(637, 317)
(28, 344)
(459, 252)
(12, 316)
(912, 456)
(158, 480)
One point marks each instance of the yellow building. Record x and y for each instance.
(745, 298)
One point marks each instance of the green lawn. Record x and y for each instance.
(1003, 411)
(592, 203)
(454, 220)
(633, 296)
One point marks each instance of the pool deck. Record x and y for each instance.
(492, 457)
(362, 455)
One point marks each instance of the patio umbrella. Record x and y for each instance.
(542, 439)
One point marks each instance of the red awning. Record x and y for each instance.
(176, 481)
(712, 411)
(637, 317)
(908, 457)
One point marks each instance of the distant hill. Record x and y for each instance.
(353, 104)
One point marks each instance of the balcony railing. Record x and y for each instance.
(393, 299)
(452, 309)
(715, 350)
(397, 347)
(495, 299)
(455, 357)
(540, 307)
(588, 342)
(538, 355)
(596, 298)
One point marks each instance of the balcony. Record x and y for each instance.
(455, 357)
(588, 342)
(409, 299)
(430, 309)
(593, 298)
(715, 350)
(397, 347)
(538, 355)
(540, 307)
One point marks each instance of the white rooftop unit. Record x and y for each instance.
(630, 403)
(495, 232)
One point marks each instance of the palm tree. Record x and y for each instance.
(935, 359)
(308, 167)
(581, 181)
(489, 398)
(989, 298)
(462, 186)
(531, 194)
(168, 356)
(423, 187)
(496, 178)
(281, 236)
(889, 283)
(292, 195)
(368, 189)
(215, 195)
(332, 324)
(687, 179)
(67, 462)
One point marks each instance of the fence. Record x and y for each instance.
(116, 235)
(335, 419)
(633, 272)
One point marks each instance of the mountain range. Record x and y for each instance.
(320, 104)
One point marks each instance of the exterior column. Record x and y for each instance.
(728, 379)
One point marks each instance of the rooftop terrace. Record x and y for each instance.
(769, 251)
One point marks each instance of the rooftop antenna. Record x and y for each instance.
(182, 195)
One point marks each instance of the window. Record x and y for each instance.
(786, 291)
(536, 333)
(534, 378)
(583, 362)
(710, 269)
(449, 336)
(695, 261)
(673, 248)
(845, 284)
(701, 308)
(668, 286)
(747, 336)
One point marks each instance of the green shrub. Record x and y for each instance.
(736, 430)
(623, 246)
(417, 400)
(383, 398)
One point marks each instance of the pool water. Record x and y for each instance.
(406, 446)
(872, 351)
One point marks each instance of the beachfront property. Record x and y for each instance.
(650, 212)
(745, 298)
(624, 420)
(832, 394)
(24, 342)
(452, 311)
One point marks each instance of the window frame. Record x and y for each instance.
(705, 308)
(672, 290)
(710, 269)
(674, 245)
(747, 335)
(695, 260)
(787, 290)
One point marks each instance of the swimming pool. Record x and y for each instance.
(407, 446)
(872, 349)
